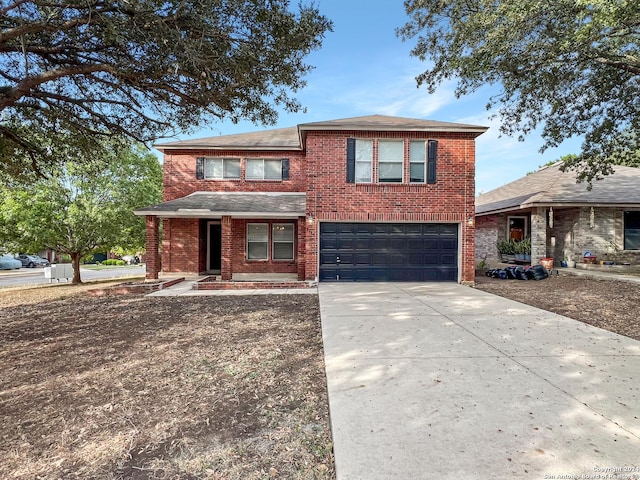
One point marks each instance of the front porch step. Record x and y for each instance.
(210, 283)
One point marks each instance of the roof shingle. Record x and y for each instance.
(550, 186)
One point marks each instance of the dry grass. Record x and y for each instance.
(165, 387)
(608, 304)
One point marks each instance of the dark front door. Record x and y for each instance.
(379, 252)
(214, 257)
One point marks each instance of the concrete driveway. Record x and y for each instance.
(445, 381)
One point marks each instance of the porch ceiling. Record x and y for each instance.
(233, 204)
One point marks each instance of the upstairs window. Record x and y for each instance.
(390, 161)
(364, 160)
(222, 168)
(390, 158)
(417, 161)
(264, 169)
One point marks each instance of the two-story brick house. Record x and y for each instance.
(373, 198)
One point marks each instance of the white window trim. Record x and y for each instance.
(292, 242)
(423, 162)
(263, 179)
(266, 259)
(402, 161)
(223, 159)
(370, 162)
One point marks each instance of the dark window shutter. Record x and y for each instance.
(200, 168)
(432, 155)
(285, 169)
(351, 160)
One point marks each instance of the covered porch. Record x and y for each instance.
(233, 235)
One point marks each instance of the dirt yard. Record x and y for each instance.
(134, 387)
(611, 305)
(215, 388)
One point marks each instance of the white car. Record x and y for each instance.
(7, 262)
(32, 261)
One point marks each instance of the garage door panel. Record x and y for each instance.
(363, 258)
(364, 243)
(380, 244)
(449, 260)
(346, 243)
(397, 243)
(327, 258)
(388, 252)
(448, 244)
(378, 258)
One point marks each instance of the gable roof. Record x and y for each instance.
(275, 139)
(392, 124)
(550, 186)
(292, 138)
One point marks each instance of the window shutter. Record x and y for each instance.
(432, 154)
(351, 160)
(200, 168)
(285, 169)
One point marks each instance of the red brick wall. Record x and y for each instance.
(179, 236)
(239, 260)
(179, 174)
(450, 200)
(152, 258)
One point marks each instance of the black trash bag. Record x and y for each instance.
(537, 272)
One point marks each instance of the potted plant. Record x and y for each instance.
(506, 250)
(518, 250)
(526, 249)
(611, 253)
(568, 258)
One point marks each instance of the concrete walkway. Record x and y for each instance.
(444, 381)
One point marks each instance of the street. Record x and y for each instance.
(35, 276)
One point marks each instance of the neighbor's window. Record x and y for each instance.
(417, 161)
(257, 241)
(632, 230)
(282, 238)
(263, 169)
(364, 160)
(390, 161)
(222, 168)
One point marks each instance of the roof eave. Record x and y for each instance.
(393, 128)
(256, 148)
(218, 215)
(527, 206)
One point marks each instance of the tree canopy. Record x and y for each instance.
(143, 69)
(571, 67)
(82, 208)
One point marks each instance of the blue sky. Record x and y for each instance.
(364, 69)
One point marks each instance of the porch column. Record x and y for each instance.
(538, 235)
(226, 267)
(152, 256)
(301, 247)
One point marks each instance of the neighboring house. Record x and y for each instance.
(371, 198)
(563, 218)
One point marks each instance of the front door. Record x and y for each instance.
(214, 247)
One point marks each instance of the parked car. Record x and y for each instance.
(32, 261)
(7, 262)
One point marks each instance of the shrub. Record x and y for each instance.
(113, 261)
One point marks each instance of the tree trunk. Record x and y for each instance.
(75, 260)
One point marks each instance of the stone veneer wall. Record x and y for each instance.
(572, 235)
